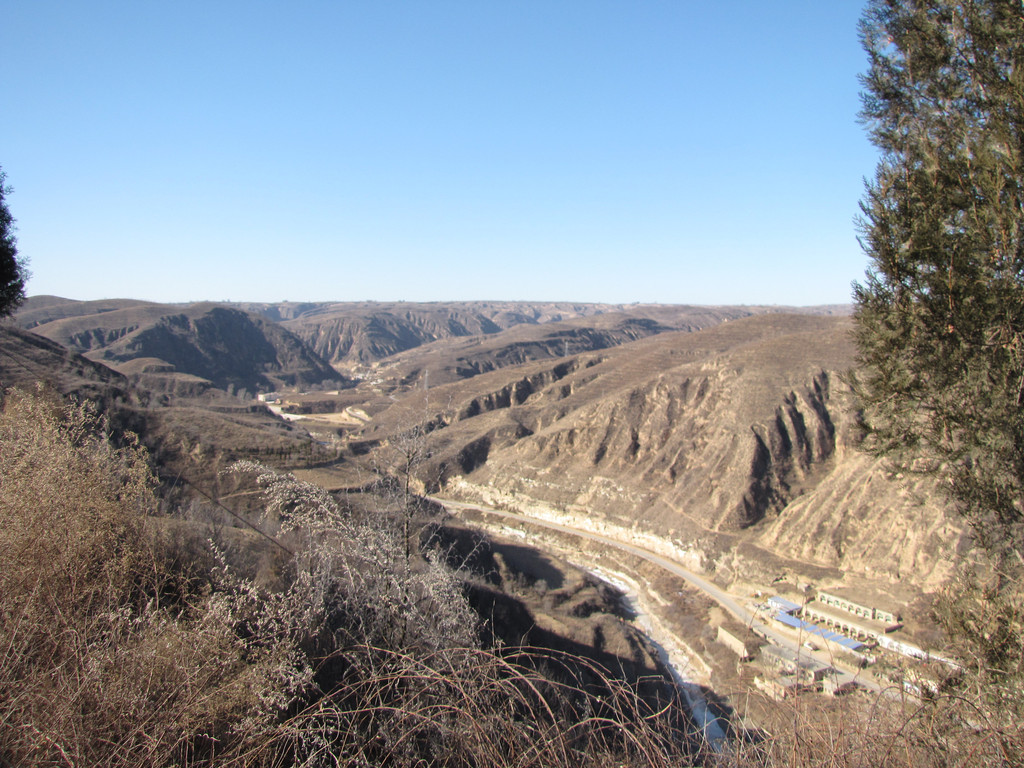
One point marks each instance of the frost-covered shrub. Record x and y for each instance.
(115, 654)
(110, 656)
(358, 577)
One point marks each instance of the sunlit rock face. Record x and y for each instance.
(740, 434)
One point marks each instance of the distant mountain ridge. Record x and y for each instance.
(220, 344)
(354, 334)
(263, 346)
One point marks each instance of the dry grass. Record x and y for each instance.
(114, 653)
(884, 731)
(108, 655)
(470, 707)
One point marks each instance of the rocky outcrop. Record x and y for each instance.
(366, 338)
(225, 346)
(744, 430)
(353, 335)
(858, 514)
(518, 391)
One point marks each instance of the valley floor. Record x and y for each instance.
(678, 609)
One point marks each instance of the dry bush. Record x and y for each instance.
(114, 653)
(107, 656)
(886, 730)
(71, 508)
(359, 577)
(471, 707)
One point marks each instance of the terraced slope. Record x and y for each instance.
(353, 335)
(738, 434)
(222, 345)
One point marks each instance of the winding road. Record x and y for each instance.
(719, 595)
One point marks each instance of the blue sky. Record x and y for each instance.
(674, 152)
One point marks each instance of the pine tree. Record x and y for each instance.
(939, 320)
(13, 273)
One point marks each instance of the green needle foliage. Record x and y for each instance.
(940, 317)
(13, 273)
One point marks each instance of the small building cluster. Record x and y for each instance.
(860, 628)
(840, 622)
(799, 666)
(783, 686)
(735, 644)
(789, 613)
(868, 612)
(798, 674)
(830, 622)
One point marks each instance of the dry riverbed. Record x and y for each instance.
(676, 623)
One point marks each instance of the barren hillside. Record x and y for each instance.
(353, 335)
(741, 434)
(728, 430)
(222, 345)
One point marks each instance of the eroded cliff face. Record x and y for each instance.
(665, 444)
(745, 431)
(457, 341)
(859, 517)
(223, 345)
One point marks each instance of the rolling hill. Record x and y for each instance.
(223, 345)
(737, 441)
(726, 429)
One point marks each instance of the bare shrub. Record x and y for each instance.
(357, 575)
(117, 649)
(107, 656)
(890, 729)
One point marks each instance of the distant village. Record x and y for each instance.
(855, 636)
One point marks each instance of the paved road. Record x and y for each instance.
(723, 598)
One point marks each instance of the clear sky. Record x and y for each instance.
(584, 150)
